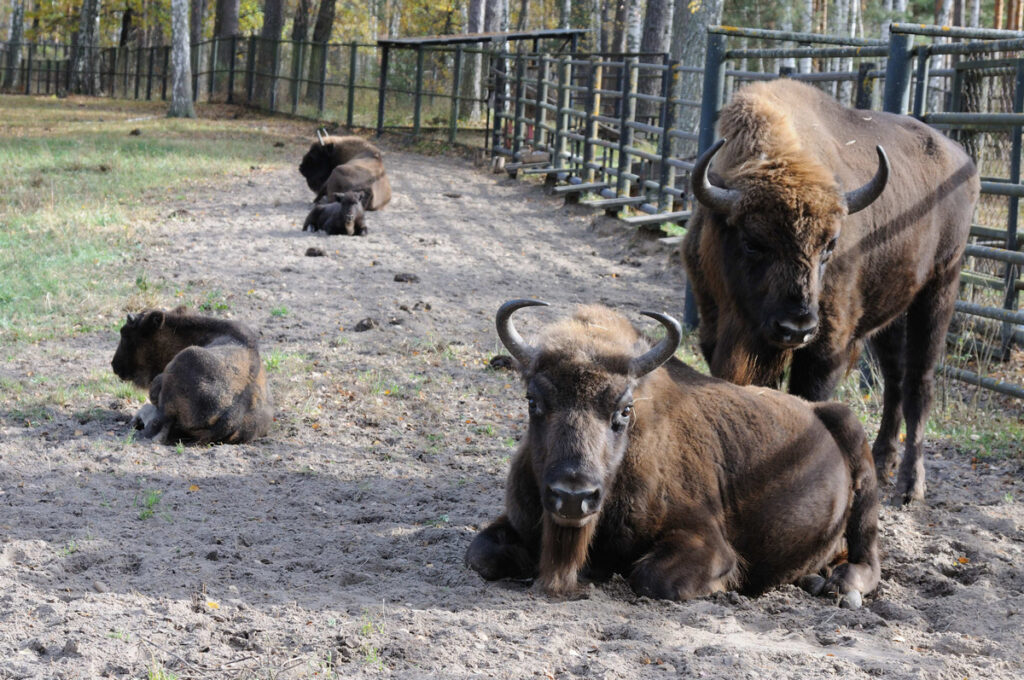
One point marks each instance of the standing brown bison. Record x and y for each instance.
(634, 463)
(341, 164)
(788, 270)
(205, 377)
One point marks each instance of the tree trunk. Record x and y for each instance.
(689, 44)
(321, 35)
(565, 14)
(475, 63)
(619, 26)
(633, 24)
(300, 30)
(225, 18)
(654, 39)
(975, 20)
(936, 93)
(181, 62)
(14, 40)
(524, 15)
(267, 51)
(197, 13)
(85, 70)
(127, 33)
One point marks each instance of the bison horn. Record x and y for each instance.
(716, 198)
(858, 199)
(663, 351)
(320, 136)
(513, 342)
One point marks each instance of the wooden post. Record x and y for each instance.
(453, 122)
(353, 60)
(417, 101)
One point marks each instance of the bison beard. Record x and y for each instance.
(633, 463)
(789, 271)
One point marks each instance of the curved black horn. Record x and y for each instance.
(858, 199)
(663, 351)
(716, 198)
(513, 342)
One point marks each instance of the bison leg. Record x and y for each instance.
(498, 552)
(686, 564)
(816, 371)
(144, 416)
(927, 321)
(888, 345)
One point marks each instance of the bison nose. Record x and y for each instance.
(798, 327)
(575, 503)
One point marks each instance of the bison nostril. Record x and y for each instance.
(573, 503)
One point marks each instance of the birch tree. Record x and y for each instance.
(475, 24)
(654, 39)
(181, 63)
(85, 70)
(689, 45)
(14, 40)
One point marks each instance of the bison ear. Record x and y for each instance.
(154, 320)
(133, 320)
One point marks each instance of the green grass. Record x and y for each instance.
(80, 193)
(148, 503)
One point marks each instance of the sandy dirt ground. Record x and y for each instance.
(333, 547)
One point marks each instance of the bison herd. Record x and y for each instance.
(816, 228)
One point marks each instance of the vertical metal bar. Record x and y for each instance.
(626, 119)
(211, 81)
(163, 83)
(273, 75)
(250, 70)
(453, 123)
(590, 122)
(897, 74)
(1013, 270)
(558, 151)
(149, 74)
(231, 68)
(417, 101)
(668, 119)
(28, 68)
(498, 67)
(382, 88)
(353, 62)
(193, 55)
(865, 91)
(541, 97)
(321, 99)
(297, 54)
(921, 82)
(138, 70)
(519, 108)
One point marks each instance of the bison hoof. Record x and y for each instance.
(851, 600)
(812, 583)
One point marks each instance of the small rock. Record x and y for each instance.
(36, 646)
(279, 145)
(451, 194)
(70, 648)
(366, 324)
(100, 587)
(136, 132)
(502, 362)
(213, 555)
(315, 252)
(407, 278)
(394, 321)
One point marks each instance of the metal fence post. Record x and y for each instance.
(138, 70)
(28, 68)
(453, 122)
(519, 107)
(921, 84)
(713, 93)
(231, 68)
(417, 101)
(298, 48)
(321, 99)
(382, 88)
(865, 92)
(163, 83)
(541, 98)
(897, 74)
(499, 68)
(590, 122)
(211, 81)
(561, 117)
(250, 70)
(627, 115)
(149, 74)
(668, 119)
(353, 66)
(1012, 269)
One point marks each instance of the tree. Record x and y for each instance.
(475, 63)
(657, 21)
(300, 27)
(14, 40)
(267, 51)
(181, 63)
(321, 34)
(85, 71)
(689, 44)
(196, 16)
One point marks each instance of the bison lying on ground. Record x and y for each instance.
(634, 463)
(788, 269)
(341, 164)
(205, 377)
(342, 215)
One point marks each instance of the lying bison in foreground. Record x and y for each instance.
(341, 164)
(344, 214)
(789, 269)
(205, 377)
(634, 463)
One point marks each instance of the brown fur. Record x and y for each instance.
(205, 378)
(347, 163)
(792, 151)
(706, 486)
(344, 214)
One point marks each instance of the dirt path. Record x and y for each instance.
(334, 546)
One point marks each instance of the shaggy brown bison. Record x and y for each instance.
(341, 164)
(634, 463)
(787, 269)
(342, 215)
(205, 377)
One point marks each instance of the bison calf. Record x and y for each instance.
(634, 463)
(205, 377)
(342, 215)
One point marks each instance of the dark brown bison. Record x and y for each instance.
(205, 377)
(790, 270)
(634, 463)
(341, 164)
(342, 215)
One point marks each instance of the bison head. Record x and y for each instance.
(777, 227)
(135, 358)
(579, 390)
(317, 165)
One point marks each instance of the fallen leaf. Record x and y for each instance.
(193, 487)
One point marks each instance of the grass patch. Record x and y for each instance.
(79, 192)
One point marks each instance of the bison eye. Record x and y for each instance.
(828, 250)
(532, 406)
(752, 248)
(621, 418)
